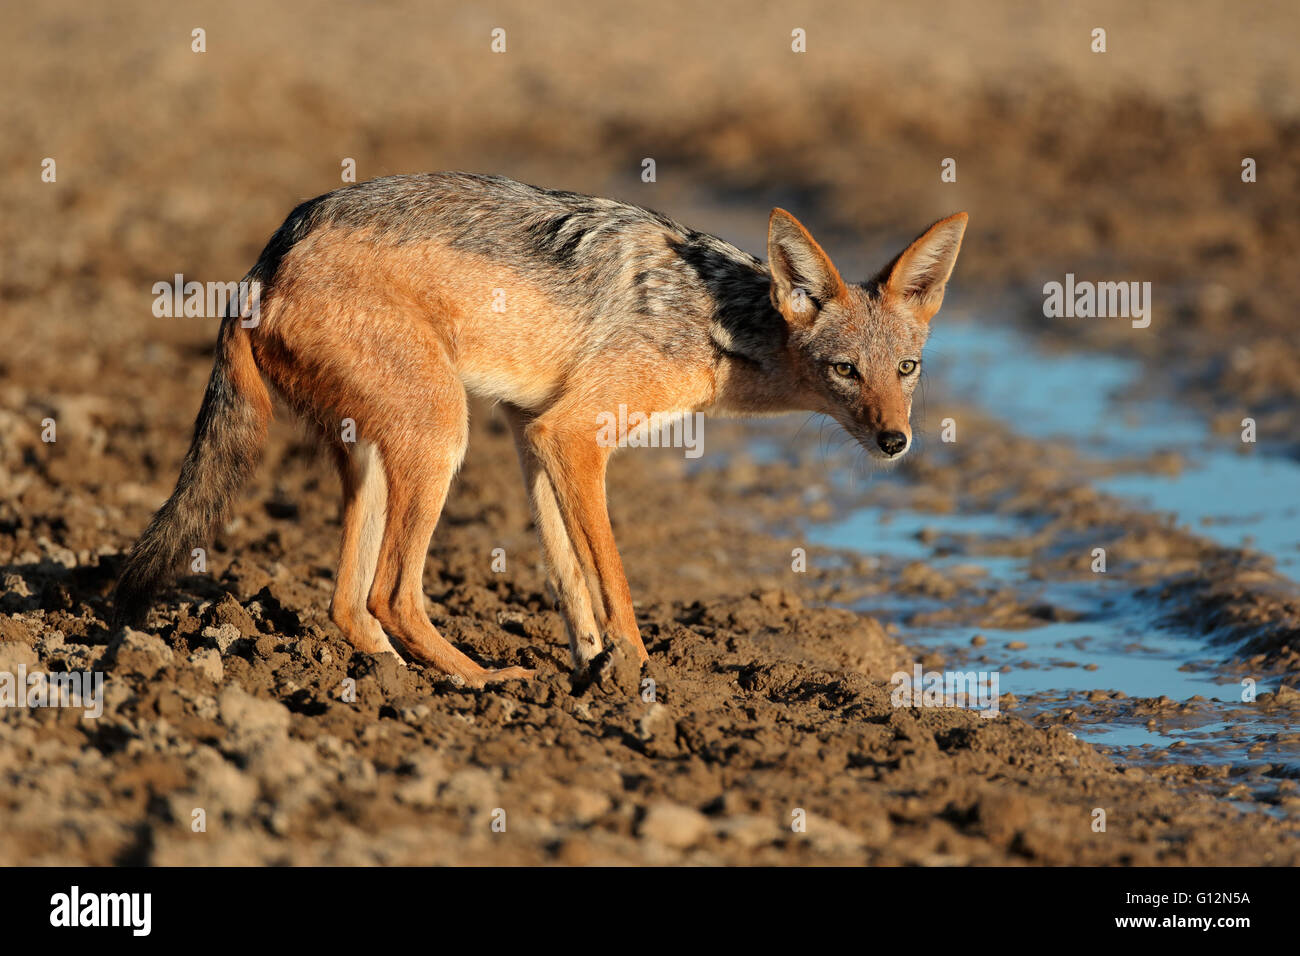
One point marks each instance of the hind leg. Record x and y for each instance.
(348, 348)
(365, 499)
(421, 454)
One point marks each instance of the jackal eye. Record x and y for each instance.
(907, 366)
(844, 369)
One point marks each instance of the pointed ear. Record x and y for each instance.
(803, 277)
(918, 276)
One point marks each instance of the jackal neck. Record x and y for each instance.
(750, 338)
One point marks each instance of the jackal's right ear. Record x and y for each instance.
(920, 273)
(803, 276)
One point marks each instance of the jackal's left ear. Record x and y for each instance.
(919, 274)
(803, 276)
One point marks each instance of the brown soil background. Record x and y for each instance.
(1122, 165)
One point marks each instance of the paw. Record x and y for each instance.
(616, 670)
(500, 674)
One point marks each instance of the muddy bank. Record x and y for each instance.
(767, 702)
(999, 555)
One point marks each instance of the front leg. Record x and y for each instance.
(564, 441)
(580, 608)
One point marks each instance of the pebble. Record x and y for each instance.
(674, 825)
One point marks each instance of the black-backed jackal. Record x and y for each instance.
(382, 303)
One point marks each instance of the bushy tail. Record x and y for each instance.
(228, 438)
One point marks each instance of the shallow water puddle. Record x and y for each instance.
(1099, 670)
(1238, 500)
(1229, 492)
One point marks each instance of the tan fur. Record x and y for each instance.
(389, 338)
(385, 302)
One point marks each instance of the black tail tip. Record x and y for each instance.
(130, 604)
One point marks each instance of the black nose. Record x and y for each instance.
(891, 443)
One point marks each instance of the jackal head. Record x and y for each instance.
(856, 349)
